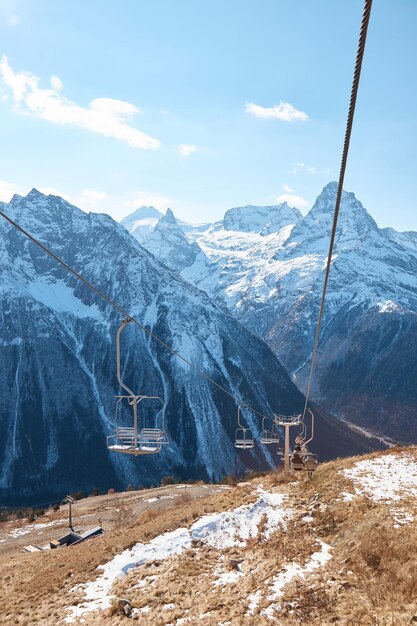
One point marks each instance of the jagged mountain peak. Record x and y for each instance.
(142, 221)
(168, 243)
(140, 213)
(350, 207)
(354, 223)
(169, 217)
(257, 219)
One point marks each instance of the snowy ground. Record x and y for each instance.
(291, 571)
(30, 528)
(219, 530)
(390, 479)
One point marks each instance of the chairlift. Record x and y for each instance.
(269, 436)
(243, 436)
(303, 439)
(131, 439)
(296, 461)
(302, 458)
(310, 463)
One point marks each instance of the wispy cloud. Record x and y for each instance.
(185, 149)
(303, 167)
(14, 19)
(95, 200)
(287, 188)
(56, 83)
(283, 111)
(147, 198)
(293, 200)
(7, 190)
(104, 116)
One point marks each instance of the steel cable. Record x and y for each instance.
(126, 315)
(353, 97)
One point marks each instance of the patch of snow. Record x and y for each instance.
(58, 296)
(254, 599)
(387, 478)
(227, 578)
(293, 570)
(234, 528)
(401, 517)
(97, 594)
(387, 307)
(219, 530)
(24, 530)
(141, 611)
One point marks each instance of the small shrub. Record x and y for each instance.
(229, 480)
(147, 516)
(78, 495)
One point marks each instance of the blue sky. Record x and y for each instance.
(201, 105)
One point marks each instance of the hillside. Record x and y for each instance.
(340, 548)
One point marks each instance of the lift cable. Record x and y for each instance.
(349, 124)
(126, 315)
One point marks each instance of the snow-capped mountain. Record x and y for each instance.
(142, 222)
(169, 244)
(267, 265)
(260, 219)
(57, 361)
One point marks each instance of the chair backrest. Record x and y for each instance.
(151, 434)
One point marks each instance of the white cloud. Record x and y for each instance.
(287, 188)
(91, 200)
(14, 20)
(147, 198)
(303, 167)
(7, 190)
(185, 149)
(283, 111)
(293, 200)
(56, 83)
(52, 191)
(98, 201)
(104, 116)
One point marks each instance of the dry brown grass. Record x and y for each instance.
(371, 578)
(37, 586)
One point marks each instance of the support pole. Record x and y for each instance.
(70, 502)
(135, 421)
(287, 450)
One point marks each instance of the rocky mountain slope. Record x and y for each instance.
(57, 362)
(266, 264)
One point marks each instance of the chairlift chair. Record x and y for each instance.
(269, 436)
(132, 439)
(243, 436)
(310, 463)
(296, 461)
